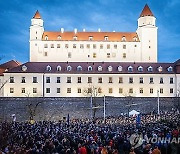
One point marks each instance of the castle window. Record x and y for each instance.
(141, 90)
(106, 38)
(45, 54)
(23, 90)
(130, 69)
(110, 68)
(120, 68)
(34, 79)
(161, 80)
(135, 39)
(94, 46)
(123, 39)
(94, 55)
(110, 80)
(48, 90)
(88, 46)
(160, 69)
(79, 90)
(100, 68)
(81, 46)
(108, 46)
(34, 90)
(161, 90)
(100, 80)
(99, 90)
(124, 46)
(79, 68)
(58, 68)
(151, 90)
(45, 45)
(68, 90)
(23, 80)
(48, 68)
(11, 80)
(11, 90)
(59, 37)
(69, 55)
(74, 45)
(75, 38)
(48, 80)
(108, 55)
(141, 80)
(52, 45)
(130, 90)
(58, 46)
(140, 68)
(120, 80)
(171, 91)
(69, 68)
(101, 46)
(68, 79)
(115, 46)
(90, 68)
(171, 80)
(89, 79)
(151, 81)
(66, 46)
(150, 69)
(24, 68)
(90, 38)
(170, 69)
(89, 91)
(79, 80)
(124, 55)
(130, 79)
(58, 80)
(120, 90)
(46, 37)
(110, 90)
(58, 90)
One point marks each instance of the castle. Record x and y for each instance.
(77, 64)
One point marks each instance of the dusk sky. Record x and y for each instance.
(109, 15)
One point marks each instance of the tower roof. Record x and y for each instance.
(146, 11)
(37, 15)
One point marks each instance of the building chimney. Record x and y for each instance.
(99, 29)
(75, 30)
(62, 30)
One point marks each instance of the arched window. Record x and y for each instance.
(58, 68)
(90, 68)
(100, 68)
(150, 69)
(46, 37)
(130, 69)
(140, 68)
(124, 39)
(24, 68)
(69, 68)
(110, 68)
(120, 68)
(59, 37)
(135, 39)
(170, 69)
(79, 68)
(160, 69)
(48, 68)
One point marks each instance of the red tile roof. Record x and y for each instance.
(96, 36)
(8, 65)
(146, 11)
(37, 15)
(40, 67)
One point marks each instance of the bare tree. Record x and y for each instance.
(93, 92)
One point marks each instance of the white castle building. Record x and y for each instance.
(74, 64)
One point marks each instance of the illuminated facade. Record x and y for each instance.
(71, 64)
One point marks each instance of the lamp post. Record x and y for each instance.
(158, 101)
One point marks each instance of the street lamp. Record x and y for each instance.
(158, 101)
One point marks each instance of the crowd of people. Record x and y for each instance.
(84, 136)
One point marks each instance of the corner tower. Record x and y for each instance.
(147, 32)
(36, 32)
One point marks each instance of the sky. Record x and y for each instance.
(109, 15)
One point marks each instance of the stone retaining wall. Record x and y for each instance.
(57, 108)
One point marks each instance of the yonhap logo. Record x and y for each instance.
(136, 140)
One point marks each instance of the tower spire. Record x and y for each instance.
(37, 15)
(146, 11)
